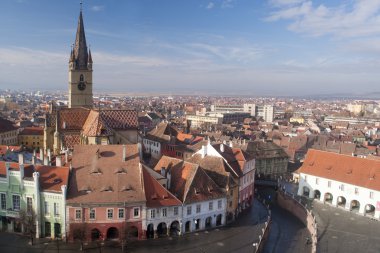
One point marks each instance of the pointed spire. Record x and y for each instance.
(80, 47)
(89, 56)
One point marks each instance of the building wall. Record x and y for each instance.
(9, 138)
(31, 141)
(337, 189)
(153, 148)
(160, 218)
(203, 214)
(271, 167)
(102, 222)
(198, 121)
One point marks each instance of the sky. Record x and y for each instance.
(247, 47)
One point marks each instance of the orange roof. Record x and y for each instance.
(4, 148)
(32, 131)
(51, 177)
(342, 168)
(157, 195)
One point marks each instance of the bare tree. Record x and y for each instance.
(28, 220)
(79, 233)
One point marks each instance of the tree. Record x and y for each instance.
(79, 233)
(28, 220)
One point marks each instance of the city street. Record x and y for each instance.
(238, 237)
(343, 231)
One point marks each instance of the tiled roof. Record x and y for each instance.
(6, 126)
(156, 195)
(32, 131)
(99, 175)
(70, 139)
(120, 119)
(342, 168)
(72, 118)
(94, 125)
(51, 177)
(5, 148)
(189, 182)
(265, 150)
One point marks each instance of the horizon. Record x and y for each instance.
(269, 48)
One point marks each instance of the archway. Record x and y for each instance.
(133, 232)
(219, 220)
(112, 233)
(162, 229)
(197, 224)
(95, 234)
(57, 230)
(174, 228)
(150, 231)
(187, 226)
(341, 201)
(328, 197)
(208, 222)
(355, 206)
(369, 210)
(317, 194)
(306, 191)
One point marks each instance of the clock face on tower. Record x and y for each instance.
(81, 86)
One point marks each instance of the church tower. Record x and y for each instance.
(80, 70)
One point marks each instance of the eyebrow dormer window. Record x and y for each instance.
(81, 78)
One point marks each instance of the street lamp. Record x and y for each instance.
(255, 245)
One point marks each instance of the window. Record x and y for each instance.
(152, 213)
(16, 202)
(164, 212)
(342, 187)
(29, 205)
(198, 208)
(3, 201)
(210, 205)
(317, 181)
(56, 209)
(305, 178)
(92, 214)
(81, 78)
(46, 205)
(232, 192)
(78, 214)
(121, 213)
(136, 212)
(189, 210)
(219, 204)
(356, 191)
(175, 210)
(329, 184)
(230, 204)
(371, 195)
(110, 214)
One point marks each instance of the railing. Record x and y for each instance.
(309, 218)
(265, 230)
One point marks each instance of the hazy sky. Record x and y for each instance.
(252, 47)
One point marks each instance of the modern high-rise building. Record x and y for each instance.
(265, 112)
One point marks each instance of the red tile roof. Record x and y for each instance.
(5, 148)
(343, 168)
(157, 195)
(32, 131)
(100, 175)
(51, 177)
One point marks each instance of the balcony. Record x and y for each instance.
(13, 213)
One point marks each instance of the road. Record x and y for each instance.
(346, 232)
(238, 237)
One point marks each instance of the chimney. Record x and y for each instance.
(46, 160)
(34, 160)
(169, 177)
(21, 158)
(58, 161)
(34, 152)
(222, 147)
(7, 167)
(71, 167)
(21, 175)
(224, 142)
(41, 155)
(66, 156)
(163, 171)
(124, 153)
(231, 145)
(49, 154)
(203, 152)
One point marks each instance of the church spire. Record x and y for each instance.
(80, 47)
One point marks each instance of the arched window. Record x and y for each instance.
(81, 78)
